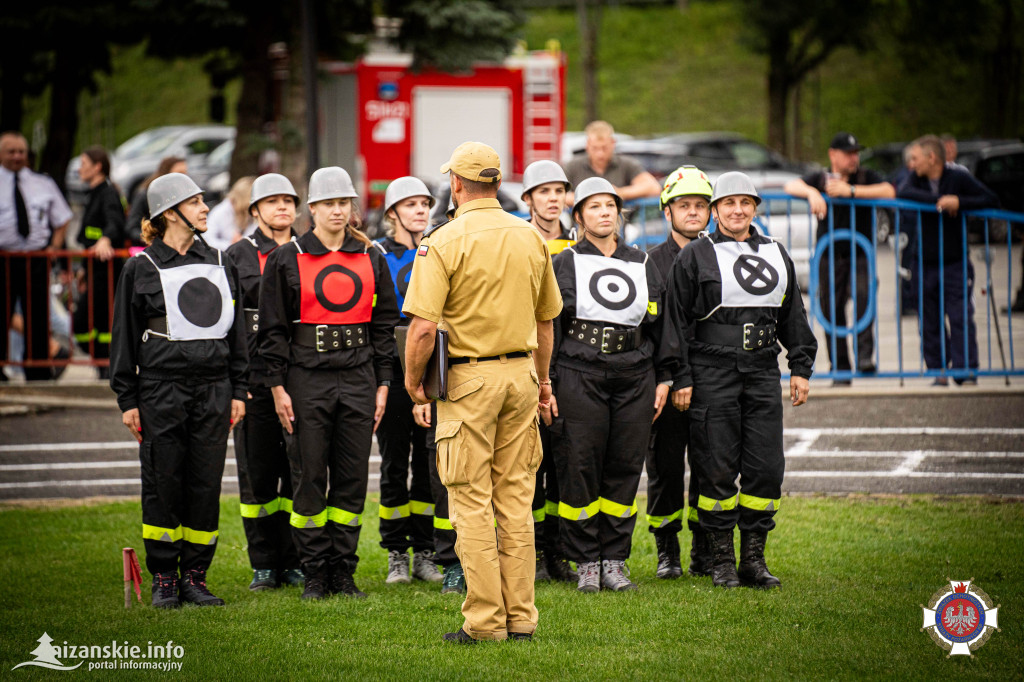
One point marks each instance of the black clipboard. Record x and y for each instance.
(435, 376)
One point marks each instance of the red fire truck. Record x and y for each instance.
(381, 120)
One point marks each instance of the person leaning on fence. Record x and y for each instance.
(326, 336)
(264, 476)
(731, 296)
(33, 217)
(684, 202)
(628, 177)
(406, 507)
(102, 231)
(179, 366)
(138, 205)
(844, 179)
(945, 258)
(488, 275)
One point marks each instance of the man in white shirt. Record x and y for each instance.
(33, 217)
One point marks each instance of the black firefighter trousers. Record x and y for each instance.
(329, 454)
(185, 428)
(666, 474)
(599, 458)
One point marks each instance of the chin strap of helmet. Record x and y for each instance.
(263, 220)
(195, 232)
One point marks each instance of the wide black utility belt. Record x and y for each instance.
(327, 337)
(747, 336)
(181, 378)
(514, 354)
(608, 339)
(252, 320)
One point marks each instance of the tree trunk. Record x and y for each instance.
(292, 137)
(254, 104)
(778, 93)
(589, 17)
(65, 86)
(12, 88)
(796, 144)
(1003, 76)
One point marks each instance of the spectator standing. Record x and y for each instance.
(33, 216)
(628, 177)
(230, 220)
(944, 256)
(138, 207)
(845, 179)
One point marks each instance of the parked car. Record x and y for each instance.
(212, 173)
(886, 159)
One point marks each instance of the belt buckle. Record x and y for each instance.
(747, 327)
(321, 329)
(605, 331)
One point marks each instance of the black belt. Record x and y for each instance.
(326, 337)
(747, 336)
(252, 320)
(514, 354)
(157, 324)
(608, 339)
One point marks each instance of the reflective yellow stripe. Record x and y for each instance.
(284, 505)
(300, 521)
(662, 521)
(258, 511)
(421, 508)
(442, 523)
(652, 307)
(578, 513)
(199, 537)
(374, 304)
(104, 337)
(93, 232)
(538, 515)
(344, 518)
(85, 337)
(617, 510)
(394, 513)
(691, 515)
(759, 503)
(551, 507)
(161, 534)
(707, 504)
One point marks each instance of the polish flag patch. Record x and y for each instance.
(422, 251)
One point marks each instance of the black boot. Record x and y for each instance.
(165, 591)
(542, 574)
(315, 587)
(723, 569)
(669, 565)
(559, 569)
(342, 582)
(700, 553)
(194, 590)
(753, 572)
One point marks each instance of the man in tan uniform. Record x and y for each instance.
(488, 276)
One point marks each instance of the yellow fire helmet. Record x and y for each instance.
(685, 181)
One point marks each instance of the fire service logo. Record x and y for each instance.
(960, 617)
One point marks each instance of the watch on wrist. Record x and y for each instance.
(853, 191)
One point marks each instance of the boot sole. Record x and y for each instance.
(589, 589)
(392, 581)
(758, 586)
(261, 588)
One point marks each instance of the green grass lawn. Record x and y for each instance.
(855, 571)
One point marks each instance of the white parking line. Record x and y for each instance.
(102, 482)
(123, 464)
(903, 431)
(899, 474)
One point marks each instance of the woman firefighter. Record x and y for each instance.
(264, 478)
(179, 368)
(608, 390)
(327, 315)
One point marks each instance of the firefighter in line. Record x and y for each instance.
(731, 296)
(327, 315)
(607, 389)
(264, 478)
(406, 510)
(684, 201)
(545, 188)
(179, 367)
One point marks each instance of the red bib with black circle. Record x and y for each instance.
(263, 260)
(336, 288)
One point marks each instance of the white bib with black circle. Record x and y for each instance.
(198, 300)
(610, 290)
(751, 279)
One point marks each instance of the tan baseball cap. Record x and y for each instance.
(471, 159)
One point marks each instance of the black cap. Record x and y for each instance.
(845, 142)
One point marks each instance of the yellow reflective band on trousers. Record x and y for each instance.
(692, 515)
(707, 504)
(161, 534)
(619, 511)
(442, 523)
(551, 507)
(199, 537)
(86, 337)
(759, 503)
(259, 511)
(539, 515)
(344, 518)
(394, 513)
(662, 521)
(421, 508)
(578, 513)
(300, 521)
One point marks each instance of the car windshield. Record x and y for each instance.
(221, 156)
(750, 155)
(147, 142)
(777, 207)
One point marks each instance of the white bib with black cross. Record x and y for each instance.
(610, 290)
(751, 279)
(198, 300)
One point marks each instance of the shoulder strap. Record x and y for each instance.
(380, 247)
(143, 253)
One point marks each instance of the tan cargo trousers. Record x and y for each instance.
(488, 452)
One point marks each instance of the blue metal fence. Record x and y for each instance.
(896, 227)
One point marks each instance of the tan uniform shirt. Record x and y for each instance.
(488, 275)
